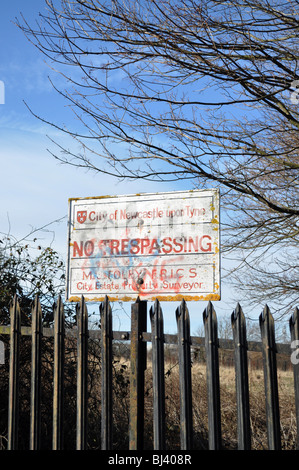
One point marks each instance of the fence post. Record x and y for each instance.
(106, 356)
(242, 386)
(184, 342)
(13, 397)
(82, 364)
(294, 328)
(35, 375)
(213, 383)
(58, 375)
(138, 366)
(158, 375)
(270, 378)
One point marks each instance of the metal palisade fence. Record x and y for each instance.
(138, 338)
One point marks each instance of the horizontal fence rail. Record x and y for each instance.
(138, 338)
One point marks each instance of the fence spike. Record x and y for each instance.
(106, 379)
(138, 366)
(58, 375)
(241, 377)
(270, 378)
(13, 393)
(184, 343)
(82, 364)
(157, 329)
(213, 383)
(36, 319)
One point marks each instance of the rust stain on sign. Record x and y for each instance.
(163, 245)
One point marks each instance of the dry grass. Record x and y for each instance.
(228, 408)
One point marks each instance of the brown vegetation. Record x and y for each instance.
(200, 407)
(121, 398)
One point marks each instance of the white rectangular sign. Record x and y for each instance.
(163, 245)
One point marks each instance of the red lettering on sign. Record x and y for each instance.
(144, 246)
(77, 250)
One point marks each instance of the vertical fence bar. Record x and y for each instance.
(58, 375)
(138, 366)
(241, 373)
(82, 365)
(294, 329)
(213, 382)
(35, 375)
(13, 397)
(270, 378)
(157, 328)
(184, 344)
(106, 385)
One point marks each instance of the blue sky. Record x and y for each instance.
(35, 188)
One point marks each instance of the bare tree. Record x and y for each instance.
(203, 92)
(28, 269)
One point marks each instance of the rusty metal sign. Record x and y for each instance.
(158, 245)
